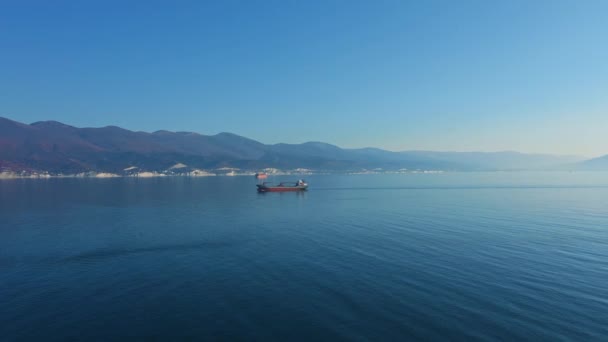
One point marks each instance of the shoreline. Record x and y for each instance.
(106, 175)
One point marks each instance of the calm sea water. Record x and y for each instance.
(457, 256)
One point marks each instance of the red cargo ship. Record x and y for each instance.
(297, 186)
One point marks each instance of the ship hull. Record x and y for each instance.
(262, 188)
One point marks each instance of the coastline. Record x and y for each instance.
(196, 173)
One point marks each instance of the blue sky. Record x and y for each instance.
(463, 75)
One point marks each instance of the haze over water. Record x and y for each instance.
(448, 256)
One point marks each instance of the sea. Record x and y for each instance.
(452, 256)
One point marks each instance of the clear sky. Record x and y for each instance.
(527, 75)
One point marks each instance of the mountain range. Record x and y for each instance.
(59, 148)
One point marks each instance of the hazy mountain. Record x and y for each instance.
(595, 164)
(56, 147)
(507, 160)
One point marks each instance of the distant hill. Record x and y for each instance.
(595, 164)
(59, 148)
